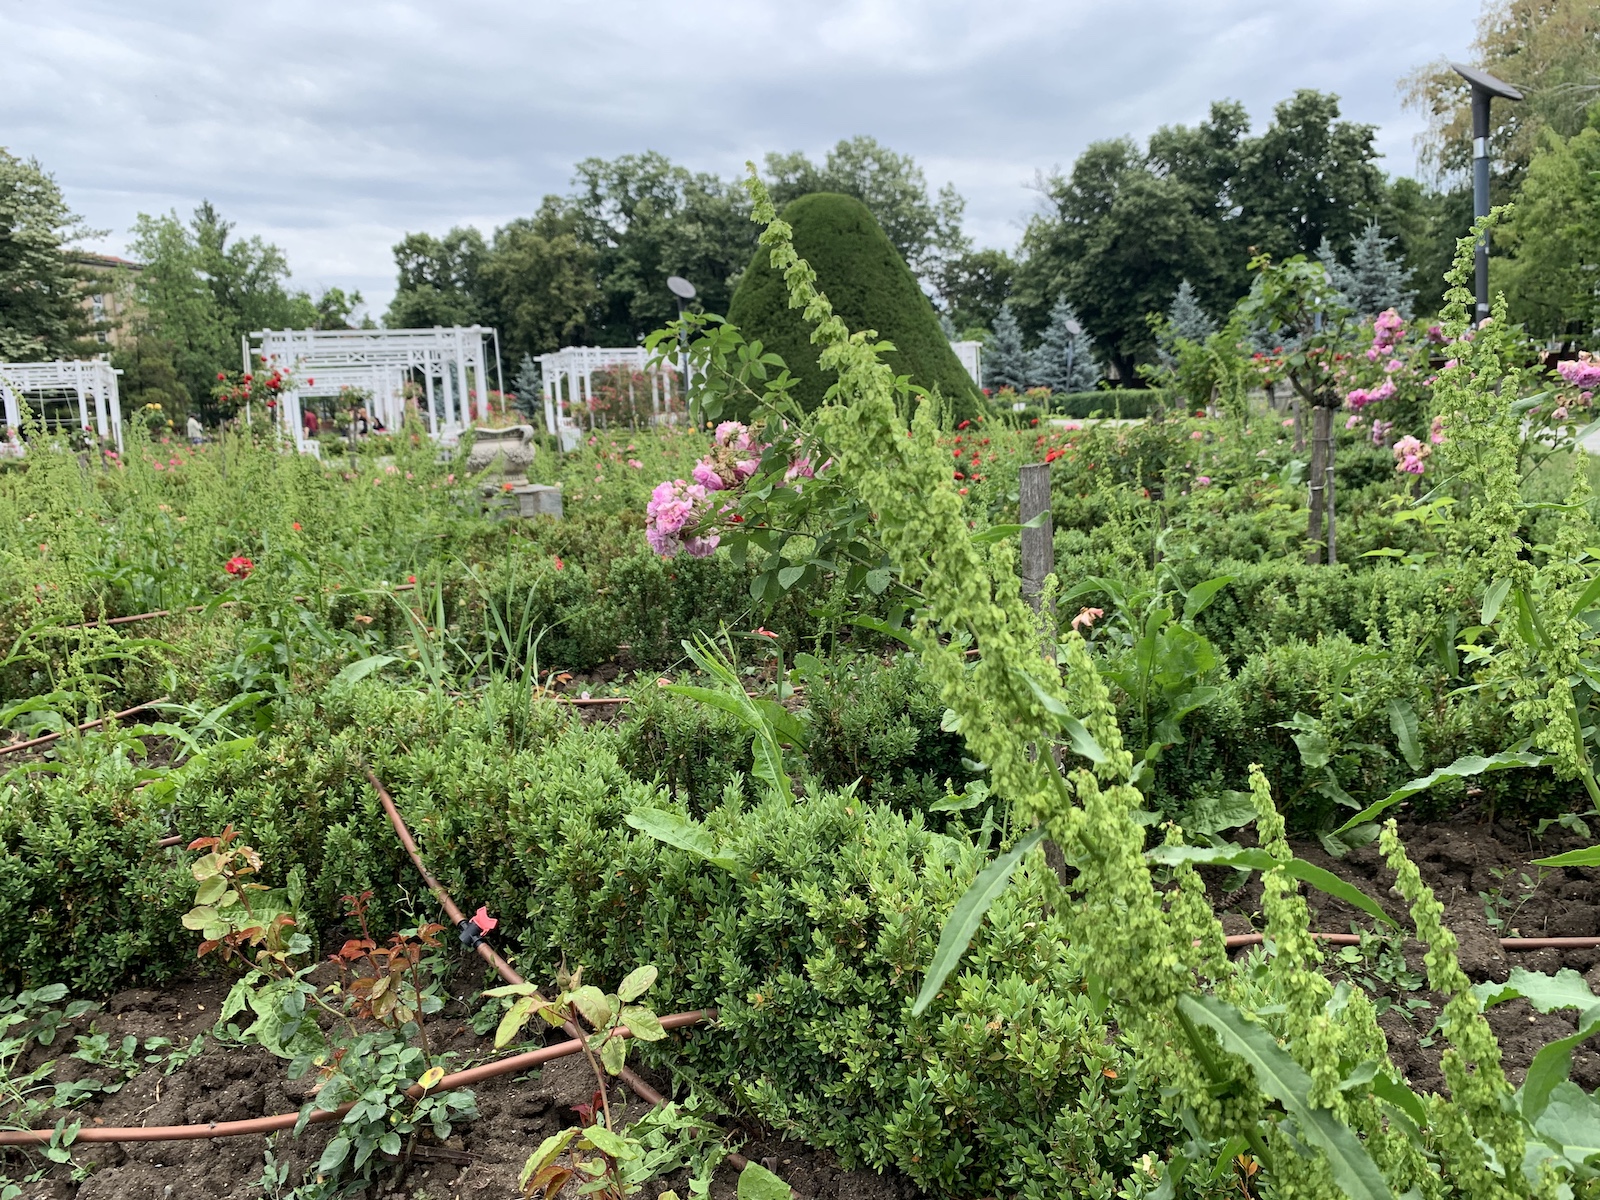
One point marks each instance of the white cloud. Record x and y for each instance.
(334, 128)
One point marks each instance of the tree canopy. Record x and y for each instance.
(41, 289)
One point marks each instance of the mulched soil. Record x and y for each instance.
(482, 1160)
(1471, 865)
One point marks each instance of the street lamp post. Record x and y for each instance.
(682, 291)
(1484, 88)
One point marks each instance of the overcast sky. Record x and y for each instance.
(332, 128)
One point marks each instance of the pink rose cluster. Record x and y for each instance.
(673, 516)
(1408, 455)
(1582, 373)
(734, 457)
(1361, 397)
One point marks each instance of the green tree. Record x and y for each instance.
(925, 229)
(869, 285)
(149, 374)
(1373, 281)
(439, 280)
(973, 285)
(1549, 49)
(647, 219)
(1551, 275)
(538, 282)
(1064, 359)
(41, 289)
(202, 291)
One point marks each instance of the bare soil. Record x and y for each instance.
(1478, 870)
(224, 1083)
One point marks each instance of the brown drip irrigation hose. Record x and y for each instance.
(167, 612)
(13, 747)
(639, 1087)
(260, 1125)
(1240, 940)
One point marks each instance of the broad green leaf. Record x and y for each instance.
(1201, 595)
(1260, 860)
(636, 983)
(1547, 993)
(758, 1183)
(360, 669)
(333, 1156)
(1403, 722)
(1387, 1088)
(967, 915)
(211, 890)
(614, 1144)
(1587, 599)
(612, 1055)
(1552, 1065)
(1463, 768)
(549, 1150)
(1284, 1080)
(1589, 856)
(1571, 1120)
(680, 832)
(883, 628)
(642, 1023)
(511, 1024)
(592, 1003)
(789, 576)
(878, 580)
(1000, 533)
(1493, 599)
(1083, 742)
(1213, 814)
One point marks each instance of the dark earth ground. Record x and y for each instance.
(1474, 867)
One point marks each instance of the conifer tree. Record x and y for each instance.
(1373, 282)
(1064, 361)
(529, 386)
(1186, 320)
(1006, 362)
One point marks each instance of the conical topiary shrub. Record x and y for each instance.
(870, 287)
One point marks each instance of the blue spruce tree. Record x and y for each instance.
(1185, 320)
(1373, 282)
(529, 387)
(1064, 361)
(1005, 361)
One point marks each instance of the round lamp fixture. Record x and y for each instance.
(680, 287)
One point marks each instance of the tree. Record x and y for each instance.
(529, 389)
(1373, 282)
(538, 282)
(149, 375)
(1186, 319)
(647, 219)
(1548, 49)
(870, 287)
(1064, 360)
(203, 291)
(925, 230)
(438, 280)
(973, 285)
(1552, 274)
(1006, 364)
(41, 290)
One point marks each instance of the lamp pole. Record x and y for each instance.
(1484, 88)
(683, 292)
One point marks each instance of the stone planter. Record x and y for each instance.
(502, 453)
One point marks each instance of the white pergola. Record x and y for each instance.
(568, 376)
(323, 362)
(93, 382)
(971, 356)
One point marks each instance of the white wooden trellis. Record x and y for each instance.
(569, 394)
(451, 361)
(91, 383)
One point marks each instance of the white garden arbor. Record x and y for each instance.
(64, 395)
(569, 387)
(323, 362)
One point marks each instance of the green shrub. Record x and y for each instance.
(1128, 403)
(869, 285)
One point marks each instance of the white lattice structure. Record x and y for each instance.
(46, 385)
(971, 356)
(569, 392)
(450, 360)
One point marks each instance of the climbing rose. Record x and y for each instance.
(676, 506)
(1408, 455)
(1582, 373)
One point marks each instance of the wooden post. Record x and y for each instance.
(1322, 419)
(1038, 545)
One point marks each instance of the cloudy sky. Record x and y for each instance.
(332, 128)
